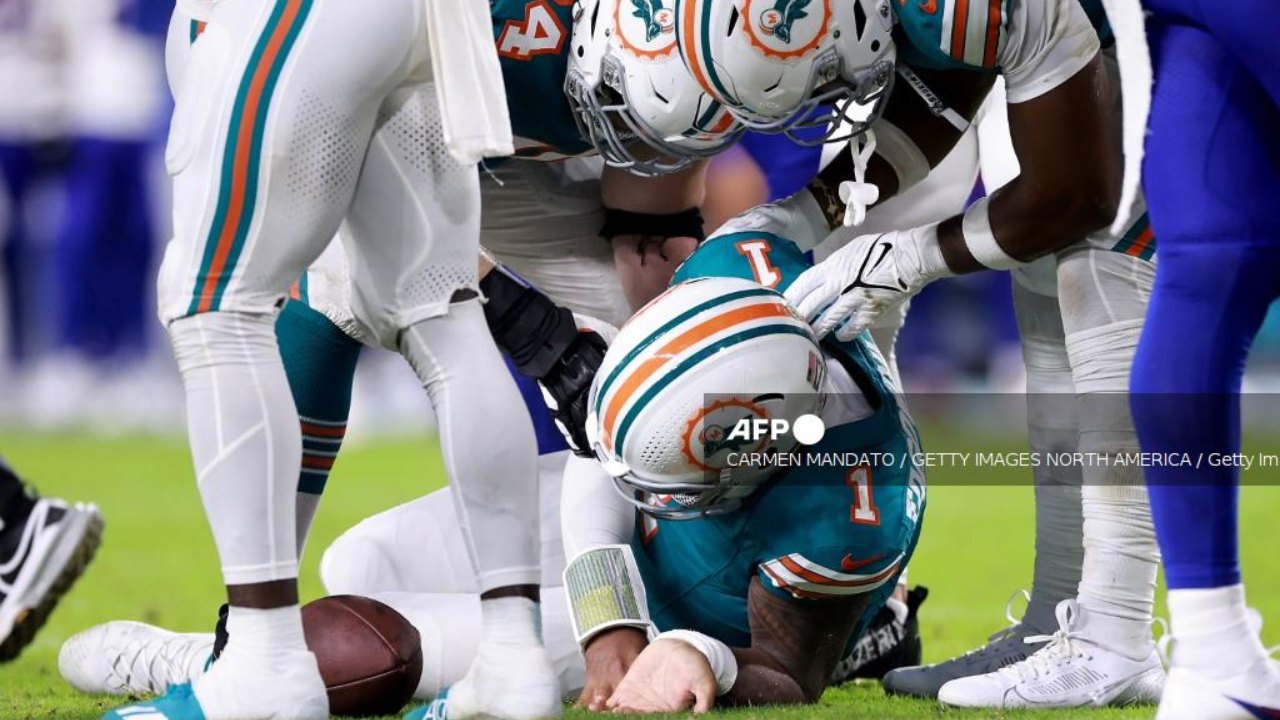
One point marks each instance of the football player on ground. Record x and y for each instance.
(277, 140)
(45, 545)
(850, 536)
(1080, 309)
(1212, 169)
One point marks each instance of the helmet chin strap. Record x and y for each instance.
(858, 194)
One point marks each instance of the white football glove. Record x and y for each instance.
(873, 273)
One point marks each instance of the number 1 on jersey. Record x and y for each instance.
(539, 34)
(757, 254)
(863, 511)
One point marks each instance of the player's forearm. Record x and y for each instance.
(1069, 150)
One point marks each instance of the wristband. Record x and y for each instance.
(981, 241)
(605, 591)
(686, 223)
(723, 663)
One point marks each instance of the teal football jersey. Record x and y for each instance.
(533, 49)
(966, 34)
(815, 530)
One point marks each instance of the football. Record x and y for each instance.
(369, 655)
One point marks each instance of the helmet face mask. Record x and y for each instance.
(672, 407)
(631, 96)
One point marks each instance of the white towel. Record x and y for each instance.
(1127, 22)
(473, 103)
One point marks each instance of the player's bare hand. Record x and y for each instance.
(669, 676)
(608, 656)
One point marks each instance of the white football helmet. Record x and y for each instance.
(631, 94)
(680, 379)
(782, 65)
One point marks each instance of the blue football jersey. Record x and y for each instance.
(811, 531)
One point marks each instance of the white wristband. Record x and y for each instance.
(981, 241)
(723, 664)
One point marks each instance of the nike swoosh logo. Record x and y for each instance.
(848, 564)
(1262, 713)
(929, 7)
(885, 249)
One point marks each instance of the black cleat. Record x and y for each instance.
(886, 644)
(43, 551)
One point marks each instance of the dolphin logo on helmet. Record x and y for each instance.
(777, 20)
(657, 19)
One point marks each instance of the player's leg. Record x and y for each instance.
(320, 363)
(414, 248)
(268, 132)
(1051, 428)
(45, 545)
(1211, 179)
(414, 558)
(1110, 657)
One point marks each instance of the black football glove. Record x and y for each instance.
(887, 643)
(566, 387)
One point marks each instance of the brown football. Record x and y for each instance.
(370, 657)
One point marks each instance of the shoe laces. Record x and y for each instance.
(1060, 648)
(159, 663)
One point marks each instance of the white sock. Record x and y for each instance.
(510, 621)
(1118, 580)
(255, 630)
(245, 440)
(1211, 631)
(495, 484)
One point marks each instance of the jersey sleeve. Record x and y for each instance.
(799, 576)
(1047, 42)
(1035, 44)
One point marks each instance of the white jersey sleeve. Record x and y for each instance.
(1044, 43)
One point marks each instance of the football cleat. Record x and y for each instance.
(1005, 647)
(891, 641)
(1068, 671)
(179, 703)
(271, 685)
(1189, 695)
(437, 709)
(505, 681)
(131, 658)
(40, 559)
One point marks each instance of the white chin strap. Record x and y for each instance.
(858, 194)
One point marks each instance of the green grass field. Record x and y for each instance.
(157, 562)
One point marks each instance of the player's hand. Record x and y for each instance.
(669, 676)
(566, 387)
(873, 273)
(608, 656)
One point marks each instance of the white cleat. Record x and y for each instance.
(1069, 671)
(1189, 695)
(262, 685)
(509, 682)
(1006, 647)
(131, 658)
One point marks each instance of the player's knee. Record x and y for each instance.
(222, 338)
(357, 565)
